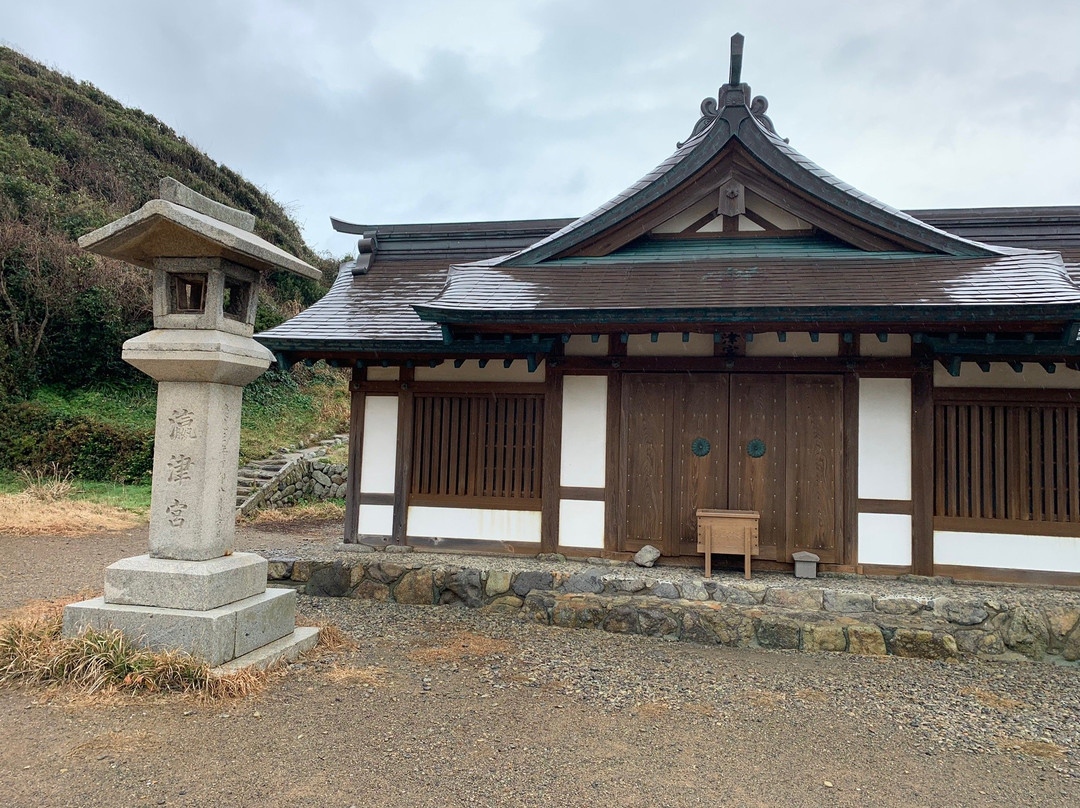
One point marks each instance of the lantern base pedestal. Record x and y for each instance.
(215, 635)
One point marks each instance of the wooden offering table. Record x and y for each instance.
(732, 532)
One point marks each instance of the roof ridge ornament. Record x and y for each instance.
(733, 94)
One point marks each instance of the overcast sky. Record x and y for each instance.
(422, 111)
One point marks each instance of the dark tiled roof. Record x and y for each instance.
(365, 311)
(1028, 281)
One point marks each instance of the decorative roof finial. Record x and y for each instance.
(732, 94)
(735, 73)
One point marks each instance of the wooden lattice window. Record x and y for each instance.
(478, 450)
(1001, 458)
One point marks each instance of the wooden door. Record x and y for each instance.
(699, 455)
(646, 437)
(815, 465)
(674, 450)
(758, 457)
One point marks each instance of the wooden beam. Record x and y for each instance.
(614, 501)
(403, 464)
(922, 473)
(849, 487)
(357, 404)
(552, 460)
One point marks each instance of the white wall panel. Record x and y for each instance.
(895, 345)
(376, 520)
(582, 345)
(584, 431)
(581, 523)
(1001, 375)
(669, 345)
(1007, 550)
(471, 371)
(884, 538)
(797, 343)
(885, 439)
(473, 523)
(380, 445)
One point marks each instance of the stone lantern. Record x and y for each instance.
(192, 592)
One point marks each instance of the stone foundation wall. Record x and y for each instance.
(309, 480)
(731, 612)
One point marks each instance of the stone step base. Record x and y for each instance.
(173, 584)
(216, 635)
(830, 616)
(278, 652)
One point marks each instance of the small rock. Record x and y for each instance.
(398, 548)
(803, 600)
(590, 582)
(847, 602)
(416, 587)
(960, 612)
(646, 556)
(551, 558)
(526, 582)
(897, 605)
(498, 582)
(693, 590)
(775, 631)
(664, 589)
(349, 547)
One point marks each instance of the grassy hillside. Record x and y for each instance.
(71, 160)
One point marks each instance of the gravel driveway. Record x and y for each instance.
(451, 706)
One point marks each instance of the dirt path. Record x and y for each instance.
(454, 707)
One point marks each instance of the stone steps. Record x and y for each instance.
(258, 478)
(725, 610)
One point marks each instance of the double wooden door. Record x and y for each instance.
(771, 443)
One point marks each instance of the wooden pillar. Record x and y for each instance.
(552, 459)
(614, 484)
(403, 465)
(849, 488)
(922, 472)
(357, 403)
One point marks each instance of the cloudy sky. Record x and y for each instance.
(421, 111)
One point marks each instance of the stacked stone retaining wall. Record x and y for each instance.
(308, 480)
(725, 611)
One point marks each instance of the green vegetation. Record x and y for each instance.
(133, 498)
(71, 160)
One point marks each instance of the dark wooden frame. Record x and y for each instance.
(353, 497)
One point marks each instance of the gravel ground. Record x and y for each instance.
(451, 707)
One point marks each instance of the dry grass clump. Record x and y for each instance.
(370, 676)
(32, 651)
(1043, 749)
(295, 513)
(28, 514)
(331, 638)
(47, 485)
(460, 645)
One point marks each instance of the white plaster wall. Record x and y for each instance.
(473, 523)
(471, 371)
(582, 345)
(1001, 375)
(798, 344)
(885, 439)
(581, 523)
(1011, 551)
(884, 538)
(376, 520)
(380, 445)
(584, 431)
(895, 345)
(378, 374)
(669, 345)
